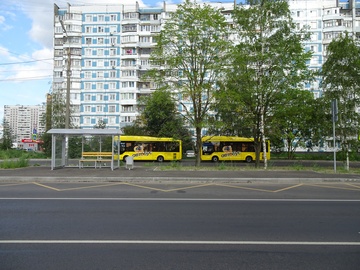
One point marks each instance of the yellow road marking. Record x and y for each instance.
(95, 186)
(352, 185)
(18, 184)
(197, 186)
(135, 185)
(287, 188)
(240, 187)
(41, 185)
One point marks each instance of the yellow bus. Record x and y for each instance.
(150, 148)
(222, 148)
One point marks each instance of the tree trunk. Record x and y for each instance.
(198, 147)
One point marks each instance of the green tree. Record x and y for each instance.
(7, 140)
(191, 54)
(341, 82)
(159, 118)
(268, 60)
(298, 122)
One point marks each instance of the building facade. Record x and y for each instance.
(25, 122)
(102, 51)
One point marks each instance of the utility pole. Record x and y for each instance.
(68, 75)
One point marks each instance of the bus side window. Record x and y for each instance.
(207, 149)
(122, 147)
(248, 147)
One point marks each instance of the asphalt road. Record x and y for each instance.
(179, 226)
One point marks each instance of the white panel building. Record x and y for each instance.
(101, 52)
(24, 120)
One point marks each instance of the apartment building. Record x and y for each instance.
(102, 51)
(25, 121)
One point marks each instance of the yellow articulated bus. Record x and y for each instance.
(150, 148)
(223, 148)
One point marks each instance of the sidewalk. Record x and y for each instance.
(154, 174)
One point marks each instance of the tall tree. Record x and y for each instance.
(298, 122)
(8, 137)
(191, 55)
(341, 82)
(159, 118)
(268, 60)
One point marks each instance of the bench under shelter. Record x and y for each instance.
(59, 147)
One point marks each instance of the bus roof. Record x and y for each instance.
(226, 139)
(144, 139)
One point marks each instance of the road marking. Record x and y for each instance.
(246, 188)
(172, 242)
(181, 199)
(45, 186)
(188, 187)
(18, 184)
(352, 185)
(94, 186)
(287, 188)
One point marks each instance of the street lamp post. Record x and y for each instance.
(68, 74)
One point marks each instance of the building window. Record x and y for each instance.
(112, 52)
(100, 41)
(112, 74)
(100, 74)
(99, 108)
(112, 120)
(87, 86)
(100, 52)
(125, 96)
(112, 109)
(100, 86)
(129, 28)
(87, 75)
(100, 63)
(127, 108)
(112, 85)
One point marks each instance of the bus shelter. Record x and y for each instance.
(59, 147)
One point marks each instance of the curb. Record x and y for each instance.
(17, 179)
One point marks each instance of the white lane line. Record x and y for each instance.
(170, 242)
(184, 199)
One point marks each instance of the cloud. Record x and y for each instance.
(3, 25)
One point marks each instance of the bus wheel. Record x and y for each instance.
(215, 159)
(248, 159)
(124, 158)
(160, 159)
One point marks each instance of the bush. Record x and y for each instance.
(12, 164)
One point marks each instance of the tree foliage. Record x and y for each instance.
(191, 55)
(341, 82)
(8, 137)
(160, 118)
(299, 122)
(268, 60)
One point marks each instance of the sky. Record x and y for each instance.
(26, 47)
